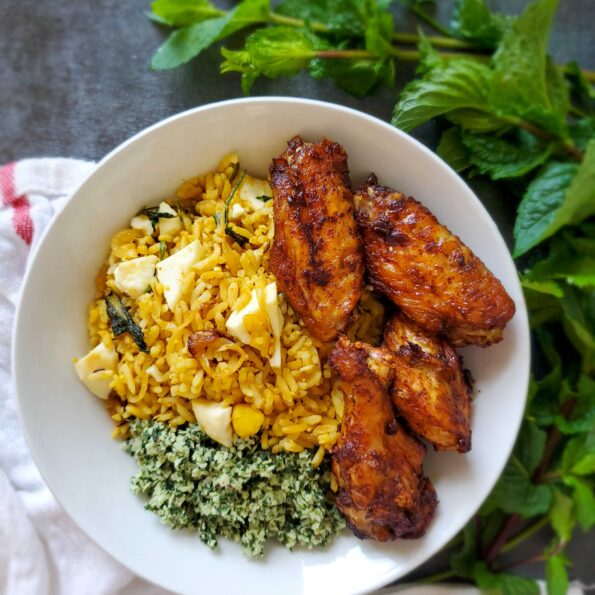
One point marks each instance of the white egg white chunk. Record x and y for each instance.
(133, 277)
(142, 223)
(172, 270)
(96, 369)
(169, 226)
(276, 317)
(236, 326)
(236, 211)
(215, 420)
(251, 188)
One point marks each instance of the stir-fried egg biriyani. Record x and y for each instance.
(189, 333)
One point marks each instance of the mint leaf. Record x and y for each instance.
(564, 263)
(542, 286)
(473, 20)
(357, 77)
(537, 211)
(453, 151)
(463, 562)
(529, 446)
(585, 242)
(578, 309)
(180, 13)
(584, 500)
(543, 306)
(577, 270)
(558, 91)
(350, 19)
(342, 17)
(501, 157)
(556, 576)
(583, 412)
(272, 52)
(457, 88)
(581, 422)
(505, 584)
(428, 56)
(515, 491)
(188, 42)
(379, 29)
(562, 515)
(582, 131)
(581, 87)
(578, 457)
(526, 83)
(246, 14)
(579, 202)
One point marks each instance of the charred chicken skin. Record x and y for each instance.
(383, 493)
(430, 390)
(316, 254)
(427, 271)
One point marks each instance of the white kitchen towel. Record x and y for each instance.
(42, 551)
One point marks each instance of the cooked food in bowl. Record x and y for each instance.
(427, 271)
(241, 356)
(317, 254)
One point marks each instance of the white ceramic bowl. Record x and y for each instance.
(69, 432)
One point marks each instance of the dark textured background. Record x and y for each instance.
(75, 82)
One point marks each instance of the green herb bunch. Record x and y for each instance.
(509, 113)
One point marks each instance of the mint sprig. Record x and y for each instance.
(508, 113)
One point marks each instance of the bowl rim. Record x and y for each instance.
(521, 308)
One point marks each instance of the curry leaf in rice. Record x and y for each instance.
(154, 215)
(241, 240)
(122, 321)
(162, 249)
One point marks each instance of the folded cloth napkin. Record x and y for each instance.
(42, 551)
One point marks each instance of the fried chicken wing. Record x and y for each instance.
(431, 391)
(383, 493)
(316, 253)
(427, 271)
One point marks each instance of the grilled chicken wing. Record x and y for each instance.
(383, 493)
(430, 391)
(427, 271)
(316, 253)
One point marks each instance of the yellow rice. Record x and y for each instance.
(301, 404)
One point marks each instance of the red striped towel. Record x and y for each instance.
(42, 551)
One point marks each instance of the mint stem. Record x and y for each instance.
(541, 557)
(566, 144)
(404, 38)
(446, 41)
(507, 529)
(437, 41)
(579, 113)
(552, 442)
(524, 535)
(429, 20)
(402, 55)
(531, 560)
(346, 54)
(279, 19)
(437, 578)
